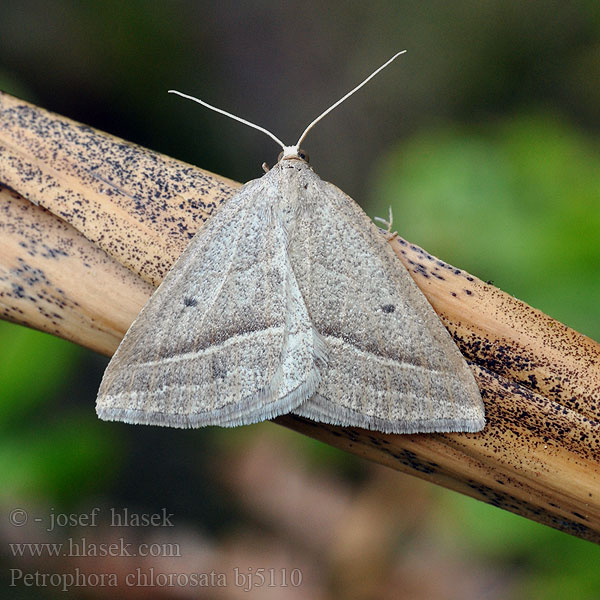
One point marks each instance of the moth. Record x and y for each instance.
(290, 300)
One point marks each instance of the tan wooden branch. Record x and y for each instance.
(90, 223)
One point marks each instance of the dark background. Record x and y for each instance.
(484, 140)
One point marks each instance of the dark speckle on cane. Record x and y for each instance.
(190, 301)
(388, 308)
(18, 291)
(420, 269)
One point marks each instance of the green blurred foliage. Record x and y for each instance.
(516, 202)
(550, 565)
(48, 452)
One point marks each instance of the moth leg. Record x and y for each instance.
(389, 235)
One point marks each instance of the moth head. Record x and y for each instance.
(293, 153)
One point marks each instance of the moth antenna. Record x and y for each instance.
(227, 114)
(383, 66)
(289, 151)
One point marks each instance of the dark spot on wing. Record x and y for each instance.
(388, 308)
